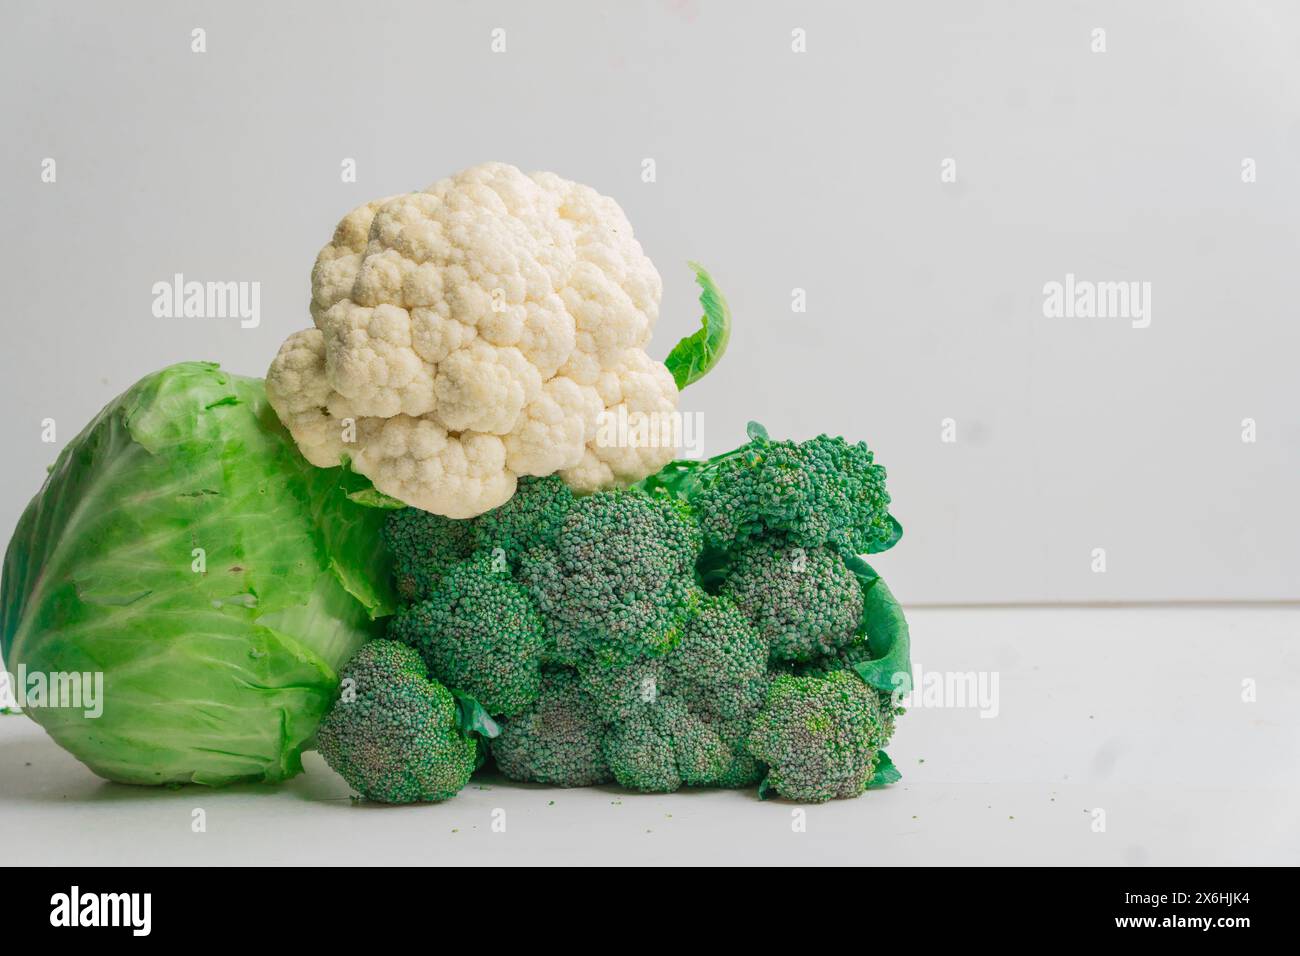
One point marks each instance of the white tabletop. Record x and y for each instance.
(1129, 718)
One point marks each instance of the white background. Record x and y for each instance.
(777, 170)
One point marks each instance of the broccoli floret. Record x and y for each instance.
(621, 693)
(720, 671)
(557, 740)
(857, 651)
(641, 755)
(683, 718)
(424, 547)
(530, 519)
(819, 736)
(392, 732)
(479, 633)
(663, 747)
(817, 492)
(720, 666)
(803, 602)
(618, 583)
(742, 770)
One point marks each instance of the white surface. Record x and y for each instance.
(1136, 712)
(777, 170)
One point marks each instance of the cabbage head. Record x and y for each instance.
(184, 549)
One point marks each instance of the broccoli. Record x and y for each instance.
(803, 602)
(819, 736)
(621, 693)
(424, 546)
(707, 627)
(664, 746)
(392, 733)
(720, 666)
(479, 633)
(618, 583)
(742, 770)
(720, 670)
(683, 718)
(845, 658)
(557, 740)
(530, 519)
(823, 491)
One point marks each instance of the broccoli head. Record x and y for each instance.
(623, 692)
(683, 718)
(720, 666)
(664, 746)
(618, 583)
(530, 519)
(557, 740)
(824, 491)
(819, 736)
(424, 547)
(803, 602)
(392, 733)
(479, 633)
(742, 770)
(846, 658)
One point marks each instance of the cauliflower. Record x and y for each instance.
(477, 331)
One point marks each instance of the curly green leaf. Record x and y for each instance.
(694, 356)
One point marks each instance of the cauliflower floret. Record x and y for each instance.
(554, 433)
(485, 388)
(419, 462)
(635, 434)
(478, 330)
(299, 392)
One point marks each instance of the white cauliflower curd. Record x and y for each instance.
(475, 332)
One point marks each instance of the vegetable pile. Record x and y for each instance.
(454, 568)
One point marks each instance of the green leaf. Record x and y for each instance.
(374, 498)
(675, 478)
(756, 431)
(694, 356)
(886, 773)
(681, 477)
(472, 718)
(765, 789)
(885, 628)
(885, 544)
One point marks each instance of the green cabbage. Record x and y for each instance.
(214, 670)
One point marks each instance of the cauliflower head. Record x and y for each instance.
(477, 331)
